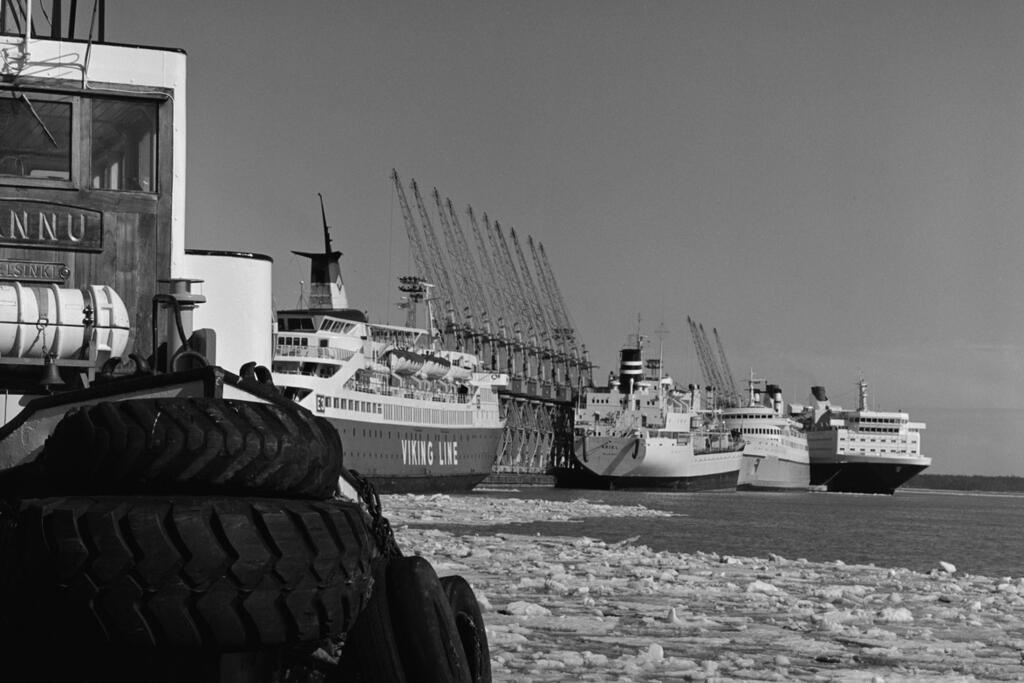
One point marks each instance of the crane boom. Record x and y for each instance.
(703, 356)
(716, 372)
(457, 272)
(419, 250)
(498, 297)
(547, 301)
(477, 292)
(566, 319)
(518, 287)
(730, 383)
(445, 291)
(532, 295)
(421, 260)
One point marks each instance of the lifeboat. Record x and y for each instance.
(404, 363)
(457, 373)
(434, 367)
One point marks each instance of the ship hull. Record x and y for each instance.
(773, 464)
(863, 476)
(858, 472)
(772, 473)
(582, 478)
(607, 462)
(418, 459)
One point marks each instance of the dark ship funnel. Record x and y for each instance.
(631, 370)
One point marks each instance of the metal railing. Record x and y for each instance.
(54, 19)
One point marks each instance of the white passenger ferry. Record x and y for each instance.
(413, 417)
(862, 450)
(776, 456)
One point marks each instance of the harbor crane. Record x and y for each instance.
(719, 380)
(579, 352)
(507, 310)
(730, 383)
(477, 292)
(473, 323)
(533, 299)
(446, 292)
(418, 249)
(498, 299)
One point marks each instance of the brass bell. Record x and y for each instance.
(51, 373)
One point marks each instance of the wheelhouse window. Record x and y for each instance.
(124, 145)
(35, 137)
(296, 324)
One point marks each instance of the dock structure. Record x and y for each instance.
(511, 314)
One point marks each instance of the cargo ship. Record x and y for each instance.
(414, 417)
(640, 433)
(862, 450)
(775, 457)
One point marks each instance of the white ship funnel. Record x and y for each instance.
(773, 394)
(819, 402)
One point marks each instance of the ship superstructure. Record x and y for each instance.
(776, 456)
(641, 432)
(98, 294)
(413, 416)
(862, 450)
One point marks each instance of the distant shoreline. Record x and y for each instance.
(966, 483)
(963, 492)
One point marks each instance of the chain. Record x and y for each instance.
(382, 531)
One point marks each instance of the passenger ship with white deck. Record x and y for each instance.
(775, 457)
(650, 438)
(862, 450)
(413, 417)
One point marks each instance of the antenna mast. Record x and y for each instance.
(327, 230)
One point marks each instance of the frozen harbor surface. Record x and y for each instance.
(565, 608)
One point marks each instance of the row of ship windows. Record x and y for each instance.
(387, 434)
(352, 404)
(427, 415)
(306, 325)
(880, 451)
(293, 341)
(867, 439)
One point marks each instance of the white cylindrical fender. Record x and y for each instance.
(40, 319)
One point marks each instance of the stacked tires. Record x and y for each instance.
(159, 529)
(153, 536)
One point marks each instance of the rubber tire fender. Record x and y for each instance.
(470, 622)
(370, 653)
(407, 632)
(424, 623)
(189, 445)
(234, 574)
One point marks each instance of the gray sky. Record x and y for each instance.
(834, 186)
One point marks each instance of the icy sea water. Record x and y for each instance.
(981, 534)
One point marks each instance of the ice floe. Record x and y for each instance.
(572, 608)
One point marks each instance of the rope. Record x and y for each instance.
(382, 531)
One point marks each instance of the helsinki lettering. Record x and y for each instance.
(417, 452)
(35, 272)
